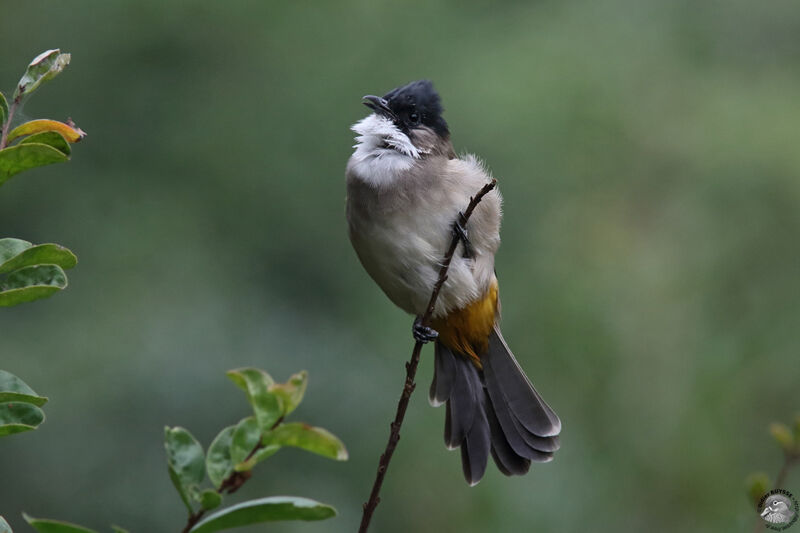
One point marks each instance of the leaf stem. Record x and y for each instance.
(7, 123)
(411, 367)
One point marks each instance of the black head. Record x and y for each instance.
(411, 106)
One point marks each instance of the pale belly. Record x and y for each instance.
(402, 251)
(401, 217)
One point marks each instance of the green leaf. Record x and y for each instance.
(13, 389)
(44, 67)
(256, 383)
(50, 138)
(50, 275)
(210, 499)
(4, 527)
(44, 525)
(256, 458)
(218, 459)
(24, 156)
(291, 392)
(13, 256)
(186, 463)
(35, 271)
(176, 482)
(782, 435)
(312, 439)
(246, 436)
(264, 510)
(757, 485)
(3, 117)
(10, 248)
(117, 529)
(16, 417)
(31, 283)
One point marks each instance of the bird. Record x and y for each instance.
(778, 510)
(406, 189)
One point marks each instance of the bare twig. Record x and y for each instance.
(790, 459)
(411, 367)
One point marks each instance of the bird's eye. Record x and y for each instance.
(414, 117)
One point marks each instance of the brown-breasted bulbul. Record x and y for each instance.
(405, 188)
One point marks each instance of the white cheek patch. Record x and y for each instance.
(377, 132)
(382, 150)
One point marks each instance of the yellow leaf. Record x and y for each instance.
(70, 132)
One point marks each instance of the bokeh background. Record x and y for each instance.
(649, 154)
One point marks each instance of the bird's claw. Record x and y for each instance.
(459, 228)
(422, 333)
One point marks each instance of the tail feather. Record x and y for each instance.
(476, 445)
(543, 444)
(448, 427)
(464, 403)
(512, 431)
(522, 399)
(506, 459)
(443, 375)
(492, 411)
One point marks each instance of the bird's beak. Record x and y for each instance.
(379, 105)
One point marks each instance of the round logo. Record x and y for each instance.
(778, 509)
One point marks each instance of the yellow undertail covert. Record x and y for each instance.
(466, 331)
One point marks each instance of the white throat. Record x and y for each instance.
(382, 152)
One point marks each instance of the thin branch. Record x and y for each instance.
(788, 462)
(411, 367)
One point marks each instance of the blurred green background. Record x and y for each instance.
(649, 154)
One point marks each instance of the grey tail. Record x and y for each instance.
(493, 411)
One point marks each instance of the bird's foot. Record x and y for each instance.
(460, 229)
(421, 333)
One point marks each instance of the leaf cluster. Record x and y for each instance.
(238, 448)
(230, 459)
(29, 272)
(20, 406)
(39, 142)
